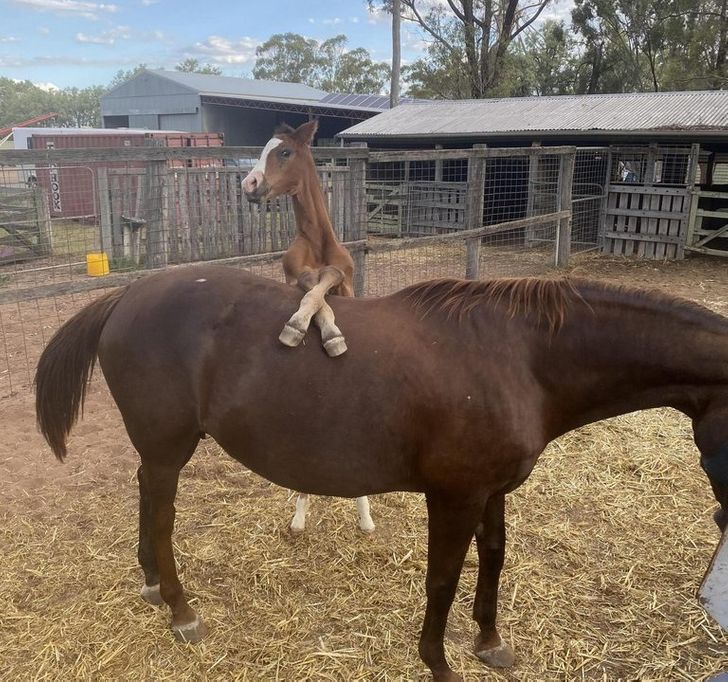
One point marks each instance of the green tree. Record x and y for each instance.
(79, 108)
(287, 57)
(638, 45)
(473, 36)
(122, 76)
(327, 65)
(546, 60)
(191, 65)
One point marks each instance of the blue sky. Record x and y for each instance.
(80, 43)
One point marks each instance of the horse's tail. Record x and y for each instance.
(64, 369)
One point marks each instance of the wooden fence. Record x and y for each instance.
(25, 232)
(648, 202)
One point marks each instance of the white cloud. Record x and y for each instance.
(354, 20)
(378, 16)
(88, 10)
(311, 20)
(105, 37)
(146, 3)
(223, 51)
(44, 30)
(48, 87)
(9, 39)
(333, 21)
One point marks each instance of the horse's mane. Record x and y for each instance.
(547, 300)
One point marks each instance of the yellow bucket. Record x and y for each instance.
(97, 264)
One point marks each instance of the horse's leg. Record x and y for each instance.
(451, 524)
(161, 483)
(490, 536)
(365, 518)
(297, 326)
(711, 436)
(145, 552)
(298, 525)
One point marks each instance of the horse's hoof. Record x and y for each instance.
(500, 656)
(335, 347)
(367, 528)
(290, 336)
(190, 633)
(152, 595)
(296, 530)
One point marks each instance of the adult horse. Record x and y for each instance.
(316, 260)
(451, 388)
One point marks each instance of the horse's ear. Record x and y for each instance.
(283, 129)
(305, 132)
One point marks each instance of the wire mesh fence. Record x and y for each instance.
(71, 227)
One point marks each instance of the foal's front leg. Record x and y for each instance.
(314, 304)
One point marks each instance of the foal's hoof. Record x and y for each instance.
(296, 530)
(291, 337)
(335, 347)
(152, 595)
(500, 656)
(190, 633)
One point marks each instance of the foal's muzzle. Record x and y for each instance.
(255, 187)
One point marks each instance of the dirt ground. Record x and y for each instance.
(595, 587)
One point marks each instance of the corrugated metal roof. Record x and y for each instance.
(208, 84)
(632, 112)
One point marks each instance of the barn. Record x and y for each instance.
(244, 110)
(658, 161)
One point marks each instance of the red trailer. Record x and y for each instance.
(72, 187)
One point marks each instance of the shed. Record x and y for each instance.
(665, 181)
(245, 110)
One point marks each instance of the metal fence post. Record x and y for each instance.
(474, 209)
(356, 228)
(563, 232)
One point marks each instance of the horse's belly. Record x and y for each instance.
(321, 465)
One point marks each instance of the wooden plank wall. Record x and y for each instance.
(202, 214)
(648, 222)
(435, 207)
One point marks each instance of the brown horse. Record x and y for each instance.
(315, 260)
(451, 388)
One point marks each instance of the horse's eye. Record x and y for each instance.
(285, 153)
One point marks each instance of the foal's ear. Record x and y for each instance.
(283, 129)
(305, 132)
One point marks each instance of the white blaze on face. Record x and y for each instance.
(256, 176)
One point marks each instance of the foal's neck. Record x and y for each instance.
(312, 217)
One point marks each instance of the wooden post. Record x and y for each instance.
(602, 227)
(43, 221)
(356, 227)
(533, 179)
(438, 165)
(563, 233)
(687, 227)
(154, 181)
(474, 199)
(102, 184)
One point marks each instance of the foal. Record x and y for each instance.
(315, 260)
